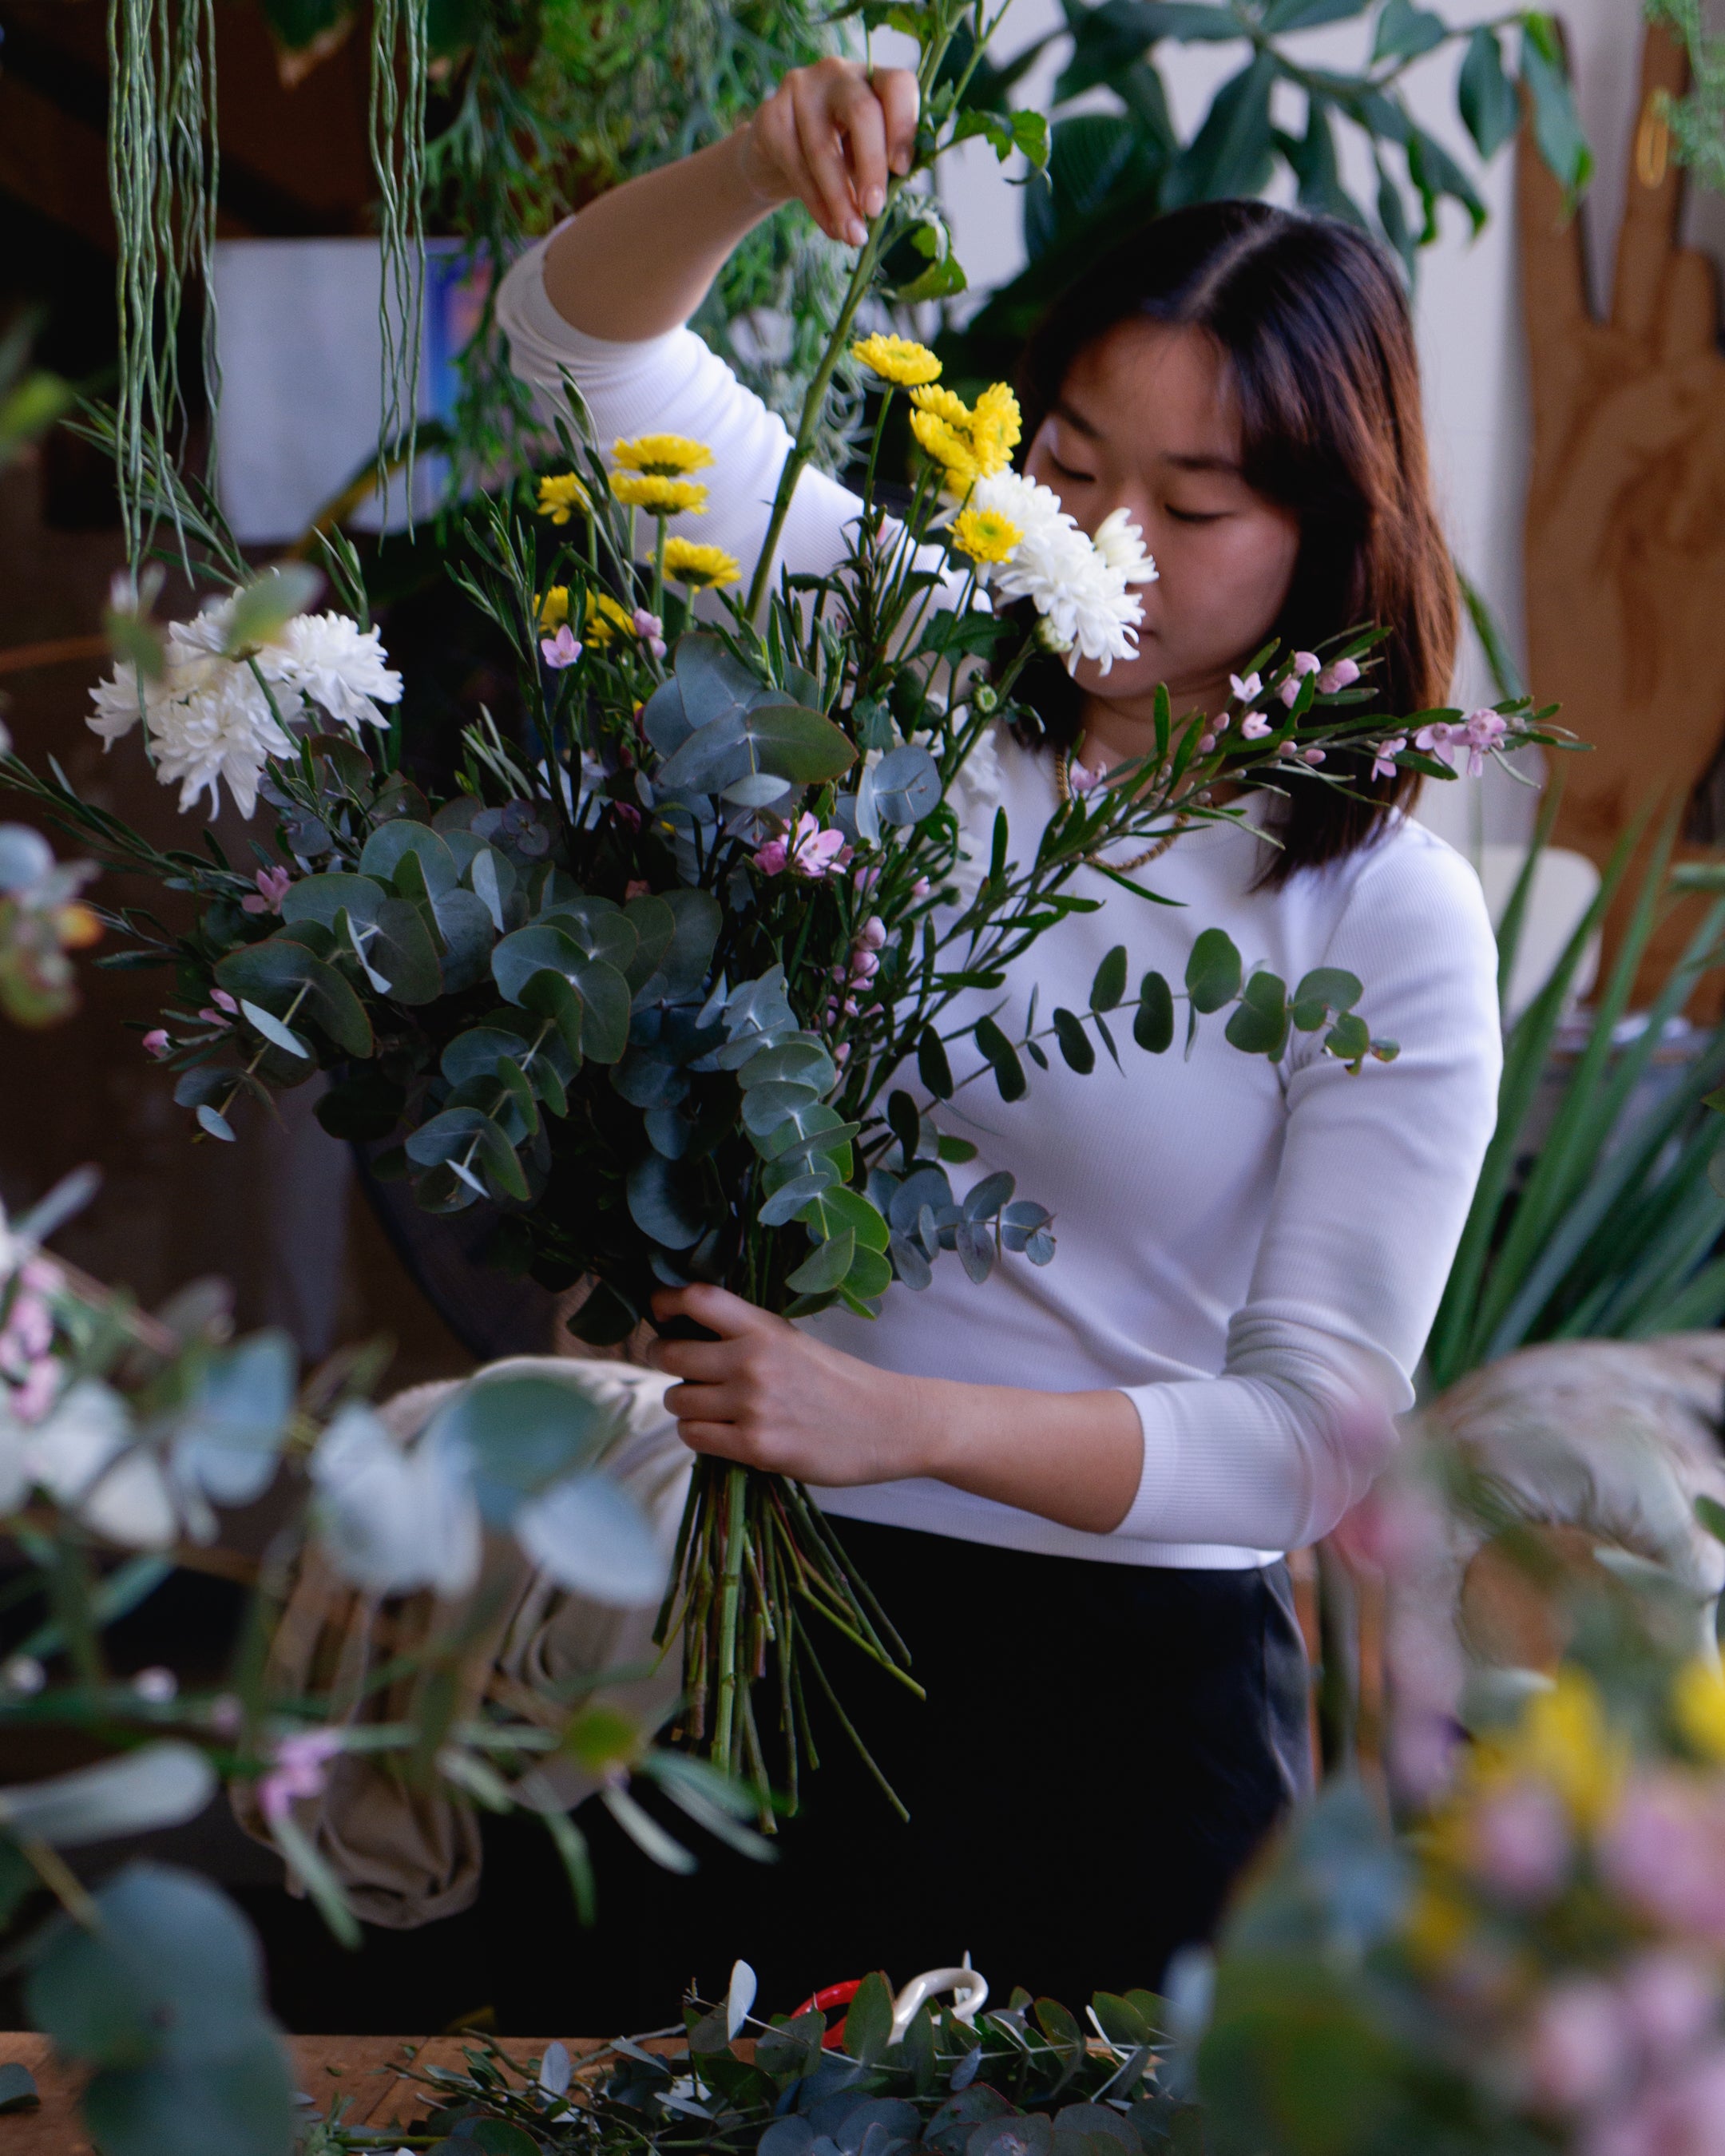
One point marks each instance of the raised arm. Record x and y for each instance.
(637, 262)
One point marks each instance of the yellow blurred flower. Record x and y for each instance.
(687, 561)
(898, 359)
(939, 438)
(77, 927)
(995, 427)
(605, 617)
(1698, 1706)
(985, 535)
(560, 496)
(663, 456)
(1437, 1924)
(659, 495)
(1564, 1740)
(554, 607)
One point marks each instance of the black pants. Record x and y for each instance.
(1102, 1750)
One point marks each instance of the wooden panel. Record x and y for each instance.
(1626, 516)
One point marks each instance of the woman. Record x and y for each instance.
(1073, 1488)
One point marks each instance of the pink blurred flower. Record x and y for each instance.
(651, 631)
(872, 935)
(1254, 726)
(921, 888)
(1436, 739)
(1680, 2118)
(300, 1769)
(223, 1001)
(1579, 2048)
(1664, 1852)
(560, 650)
(1079, 777)
(1313, 755)
(1481, 731)
(212, 1017)
(37, 1390)
(29, 1330)
(1206, 742)
(867, 878)
(636, 887)
(1342, 675)
(1519, 1842)
(1382, 766)
(1304, 662)
(273, 885)
(864, 966)
(1248, 690)
(1672, 1997)
(157, 1043)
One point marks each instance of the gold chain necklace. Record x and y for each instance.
(1063, 786)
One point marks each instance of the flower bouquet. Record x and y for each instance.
(671, 973)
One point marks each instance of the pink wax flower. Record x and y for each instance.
(1664, 1852)
(212, 1017)
(867, 878)
(872, 935)
(1079, 777)
(1254, 726)
(1382, 754)
(300, 1769)
(636, 887)
(1313, 755)
(1481, 731)
(560, 650)
(1206, 742)
(1249, 691)
(157, 1044)
(1682, 2117)
(37, 1390)
(273, 885)
(651, 631)
(921, 888)
(807, 851)
(1303, 663)
(627, 814)
(1341, 675)
(864, 966)
(223, 1001)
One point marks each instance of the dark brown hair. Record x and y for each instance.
(1314, 327)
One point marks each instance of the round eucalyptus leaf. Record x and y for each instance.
(756, 789)
(711, 678)
(384, 849)
(521, 1433)
(909, 1265)
(230, 1432)
(667, 1201)
(987, 1197)
(767, 1106)
(320, 898)
(592, 1538)
(1213, 971)
(240, 2104)
(158, 1785)
(907, 785)
(465, 922)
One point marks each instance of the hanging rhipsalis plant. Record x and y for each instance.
(682, 981)
(162, 171)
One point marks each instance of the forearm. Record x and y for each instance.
(638, 261)
(1074, 1458)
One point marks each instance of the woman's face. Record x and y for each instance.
(1146, 422)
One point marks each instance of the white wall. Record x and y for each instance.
(1467, 306)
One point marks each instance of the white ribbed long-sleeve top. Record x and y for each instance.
(1254, 1255)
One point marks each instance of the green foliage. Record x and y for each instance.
(1602, 1224)
(1109, 168)
(1697, 119)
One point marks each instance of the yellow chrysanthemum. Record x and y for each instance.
(658, 495)
(605, 617)
(687, 561)
(985, 535)
(554, 607)
(972, 443)
(899, 360)
(663, 456)
(562, 496)
(995, 426)
(1698, 1706)
(941, 441)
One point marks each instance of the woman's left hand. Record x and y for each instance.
(768, 1395)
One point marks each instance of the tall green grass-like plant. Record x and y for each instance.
(1609, 1230)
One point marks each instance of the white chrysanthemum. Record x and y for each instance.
(1080, 594)
(973, 794)
(1034, 508)
(118, 704)
(330, 658)
(1121, 544)
(224, 730)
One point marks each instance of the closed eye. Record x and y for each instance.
(1066, 471)
(1197, 515)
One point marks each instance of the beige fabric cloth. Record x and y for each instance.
(407, 1854)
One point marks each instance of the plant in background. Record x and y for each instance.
(654, 978)
(122, 1433)
(1696, 120)
(1605, 1222)
(1111, 168)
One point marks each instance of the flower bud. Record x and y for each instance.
(983, 698)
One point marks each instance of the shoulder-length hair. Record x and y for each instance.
(1314, 327)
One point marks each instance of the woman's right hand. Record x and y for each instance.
(829, 136)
